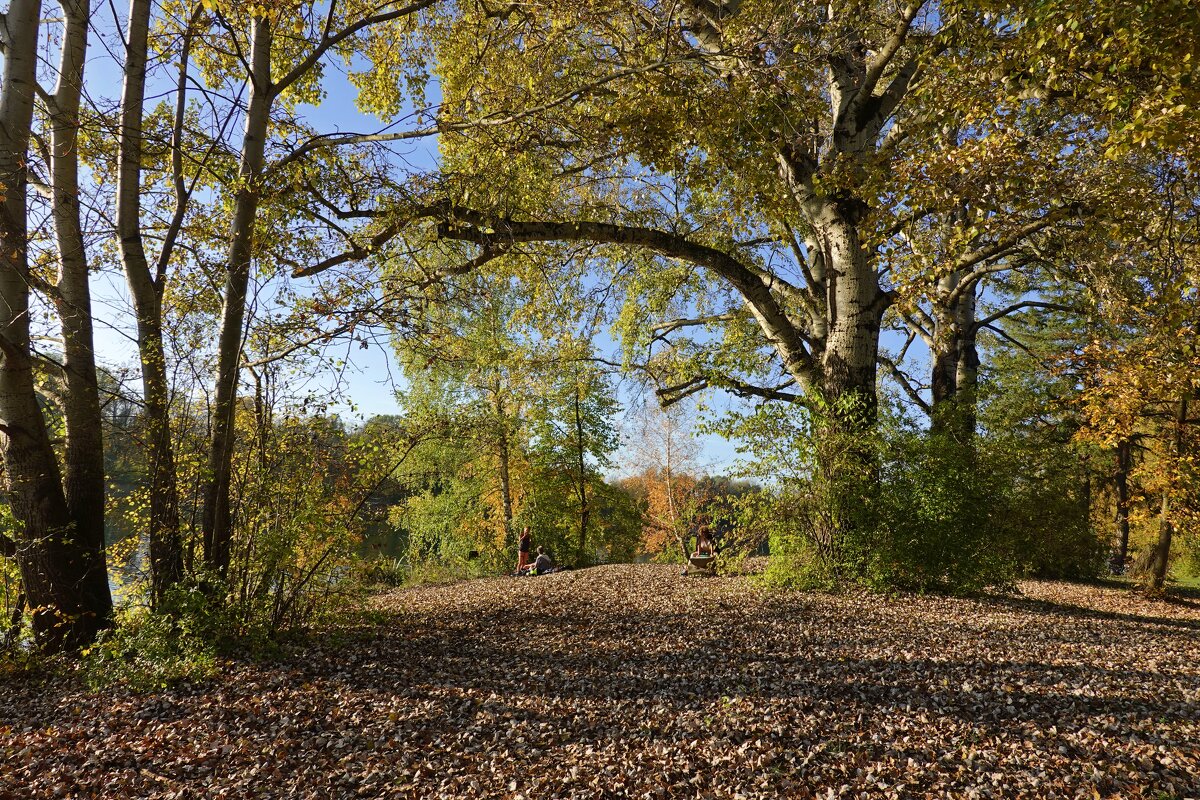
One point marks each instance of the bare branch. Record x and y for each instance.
(1004, 312)
(662, 330)
(743, 389)
(670, 395)
(923, 327)
(356, 252)
(905, 382)
(1004, 335)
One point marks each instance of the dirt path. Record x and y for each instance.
(629, 681)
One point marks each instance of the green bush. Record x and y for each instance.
(150, 650)
(940, 520)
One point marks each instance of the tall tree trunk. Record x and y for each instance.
(218, 519)
(84, 474)
(56, 564)
(502, 453)
(955, 357)
(1161, 557)
(856, 306)
(581, 487)
(146, 289)
(1124, 464)
(846, 459)
(967, 381)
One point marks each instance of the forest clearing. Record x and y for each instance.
(630, 681)
(322, 322)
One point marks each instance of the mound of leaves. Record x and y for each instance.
(631, 681)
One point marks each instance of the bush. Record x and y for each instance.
(940, 519)
(151, 650)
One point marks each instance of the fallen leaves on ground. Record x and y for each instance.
(631, 681)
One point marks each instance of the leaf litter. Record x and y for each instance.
(630, 681)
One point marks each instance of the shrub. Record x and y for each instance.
(940, 518)
(150, 650)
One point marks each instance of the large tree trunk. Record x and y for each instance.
(856, 306)
(1160, 556)
(57, 565)
(218, 518)
(166, 552)
(955, 356)
(84, 475)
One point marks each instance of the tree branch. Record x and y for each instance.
(662, 330)
(996, 250)
(905, 383)
(866, 87)
(356, 252)
(743, 389)
(1004, 312)
(1003, 335)
(471, 226)
(328, 41)
(925, 331)
(684, 390)
(491, 121)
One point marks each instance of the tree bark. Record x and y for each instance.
(146, 289)
(84, 474)
(58, 568)
(217, 516)
(1157, 568)
(955, 357)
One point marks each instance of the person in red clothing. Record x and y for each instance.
(523, 545)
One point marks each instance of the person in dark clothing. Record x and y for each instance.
(523, 546)
(542, 563)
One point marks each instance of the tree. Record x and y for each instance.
(61, 546)
(743, 180)
(573, 434)
(1141, 376)
(665, 454)
(253, 35)
(147, 285)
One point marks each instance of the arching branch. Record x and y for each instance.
(471, 226)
